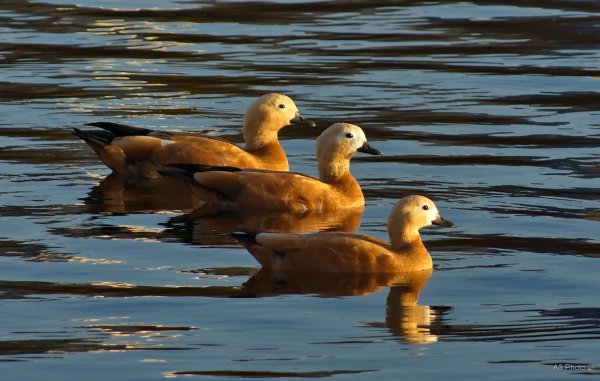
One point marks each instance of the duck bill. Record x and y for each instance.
(441, 221)
(299, 120)
(366, 148)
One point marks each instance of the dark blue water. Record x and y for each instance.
(490, 108)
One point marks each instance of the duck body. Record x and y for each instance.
(333, 252)
(232, 188)
(336, 252)
(335, 188)
(138, 151)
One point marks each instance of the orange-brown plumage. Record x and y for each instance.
(335, 188)
(336, 252)
(137, 151)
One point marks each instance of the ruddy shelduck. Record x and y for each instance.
(335, 188)
(337, 252)
(138, 151)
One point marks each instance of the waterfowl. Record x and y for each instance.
(335, 188)
(337, 252)
(138, 151)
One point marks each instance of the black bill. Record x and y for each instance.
(441, 221)
(366, 148)
(299, 120)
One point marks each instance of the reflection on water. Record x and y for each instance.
(488, 107)
(122, 194)
(209, 226)
(404, 317)
(262, 284)
(267, 283)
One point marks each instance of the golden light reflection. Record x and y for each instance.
(135, 34)
(94, 261)
(113, 284)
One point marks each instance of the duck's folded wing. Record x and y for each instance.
(317, 252)
(200, 150)
(281, 242)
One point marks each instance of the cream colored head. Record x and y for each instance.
(336, 146)
(343, 139)
(410, 214)
(267, 115)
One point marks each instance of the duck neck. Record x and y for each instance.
(272, 155)
(402, 237)
(332, 169)
(258, 136)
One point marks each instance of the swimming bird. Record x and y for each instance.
(139, 151)
(337, 252)
(335, 188)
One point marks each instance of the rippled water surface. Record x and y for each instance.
(491, 108)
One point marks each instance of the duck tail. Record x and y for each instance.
(121, 129)
(245, 237)
(94, 138)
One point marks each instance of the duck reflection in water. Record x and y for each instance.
(404, 318)
(125, 194)
(202, 223)
(208, 225)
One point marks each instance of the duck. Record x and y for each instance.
(136, 151)
(335, 188)
(340, 252)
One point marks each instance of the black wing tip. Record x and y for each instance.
(189, 167)
(104, 124)
(121, 129)
(245, 237)
(102, 138)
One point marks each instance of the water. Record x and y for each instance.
(489, 108)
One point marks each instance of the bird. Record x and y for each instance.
(336, 188)
(139, 151)
(340, 252)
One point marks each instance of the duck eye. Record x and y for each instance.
(425, 207)
(349, 135)
(281, 106)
